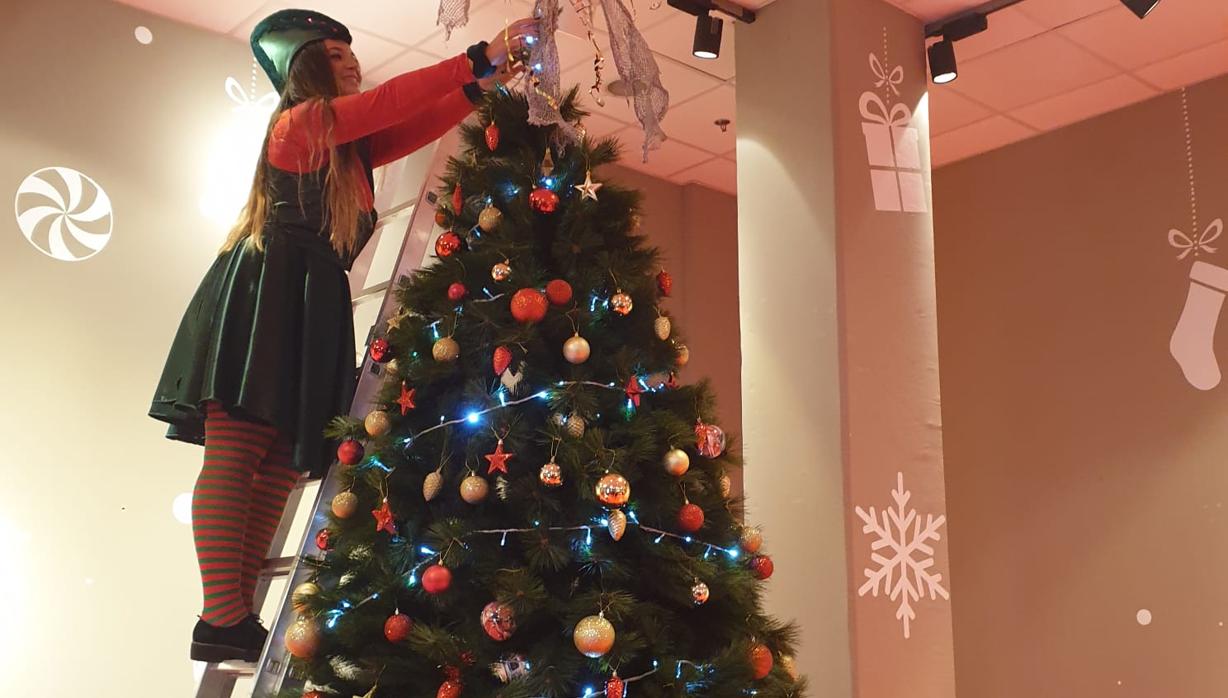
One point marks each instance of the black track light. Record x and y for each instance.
(942, 62)
(1141, 7)
(708, 30)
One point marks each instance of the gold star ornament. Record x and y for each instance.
(589, 188)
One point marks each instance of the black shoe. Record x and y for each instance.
(256, 631)
(211, 643)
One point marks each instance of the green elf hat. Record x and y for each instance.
(278, 37)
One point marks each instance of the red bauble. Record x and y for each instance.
(349, 452)
(559, 292)
(761, 566)
(709, 439)
(436, 579)
(529, 306)
(690, 518)
(543, 200)
(313, 694)
(614, 688)
(397, 627)
(492, 136)
(761, 660)
(447, 244)
(381, 350)
(665, 282)
(499, 621)
(322, 539)
(449, 689)
(441, 217)
(501, 360)
(458, 200)
(457, 292)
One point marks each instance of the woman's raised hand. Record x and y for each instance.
(512, 42)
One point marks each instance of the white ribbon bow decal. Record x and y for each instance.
(235, 92)
(893, 80)
(1202, 243)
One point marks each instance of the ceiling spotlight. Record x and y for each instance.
(942, 62)
(708, 30)
(1141, 7)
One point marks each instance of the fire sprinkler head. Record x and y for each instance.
(724, 124)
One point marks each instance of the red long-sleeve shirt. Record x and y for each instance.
(400, 116)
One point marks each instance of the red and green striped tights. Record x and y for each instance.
(236, 507)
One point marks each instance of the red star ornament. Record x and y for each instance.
(498, 459)
(406, 401)
(633, 391)
(383, 518)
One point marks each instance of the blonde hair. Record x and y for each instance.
(310, 83)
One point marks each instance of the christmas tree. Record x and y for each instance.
(537, 507)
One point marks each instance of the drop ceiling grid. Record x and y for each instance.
(1098, 35)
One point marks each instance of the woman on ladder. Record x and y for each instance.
(264, 355)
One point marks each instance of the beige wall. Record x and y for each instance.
(1086, 477)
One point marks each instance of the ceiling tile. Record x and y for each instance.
(671, 157)
(693, 122)
(1173, 27)
(949, 110)
(1188, 68)
(718, 173)
(599, 126)
(1029, 71)
(994, 132)
(410, 59)
(218, 16)
(934, 10)
(1084, 103)
(372, 51)
(676, 36)
(645, 17)
(1006, 27)
(1055, 13)
(681, 82)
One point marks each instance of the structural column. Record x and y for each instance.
(842, 414)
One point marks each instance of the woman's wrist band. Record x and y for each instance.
(482, 67)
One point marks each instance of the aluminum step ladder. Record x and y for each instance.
(271, 674)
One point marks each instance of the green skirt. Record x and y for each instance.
(270, 335)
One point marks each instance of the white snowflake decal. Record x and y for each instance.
(902, 576)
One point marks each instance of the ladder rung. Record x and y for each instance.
(277, 566)
(234, 668)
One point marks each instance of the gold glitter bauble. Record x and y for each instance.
(474, 489)
(621, 303)
(300, 598)
(617, 524)
(431, 485)
(575, 426)
(501, 271)
(726, 486)
(345, 504)
(446, 349)
(677, 462)
(377, 423)
(551, 474)
(751, 539)
(594, 636)
(663, 327)
(303, 638)
(787, 663)
(700, 593)
(576, 350)
(613, 490)
(489, 218)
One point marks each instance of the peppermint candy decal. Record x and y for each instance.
(63, 213)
